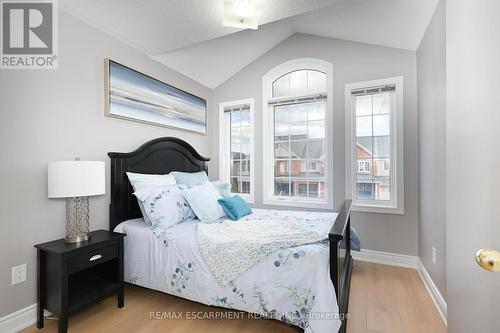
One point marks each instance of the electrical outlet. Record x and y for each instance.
(18, 274)
(434, 255)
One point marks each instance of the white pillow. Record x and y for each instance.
(140, 181)
(203, 201)
(224, 188)
(165, 206)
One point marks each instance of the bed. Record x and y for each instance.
(306, 286)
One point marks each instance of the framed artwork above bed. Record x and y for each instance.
(135, 96)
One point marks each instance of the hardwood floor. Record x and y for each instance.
(383, 299)
(386, 299)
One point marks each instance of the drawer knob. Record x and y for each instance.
(96, 257)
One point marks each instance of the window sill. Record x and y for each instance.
(377, 209)
(298, 204)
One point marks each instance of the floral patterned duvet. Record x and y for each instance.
(292, 284)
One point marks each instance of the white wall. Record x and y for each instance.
(58, 115)
(352, 62)
(431, 72)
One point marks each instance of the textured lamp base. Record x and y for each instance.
(77, 239)
(77, 220)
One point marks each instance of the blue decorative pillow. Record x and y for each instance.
(235, 207)
(190, 178)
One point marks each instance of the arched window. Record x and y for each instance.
(297, 127)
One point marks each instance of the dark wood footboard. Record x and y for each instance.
(341, 260)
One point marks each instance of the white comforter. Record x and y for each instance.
(291, 284)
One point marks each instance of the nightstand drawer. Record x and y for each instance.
(92, 258)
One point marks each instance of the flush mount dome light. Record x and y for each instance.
(240, 14)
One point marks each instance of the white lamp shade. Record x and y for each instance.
(68, 179)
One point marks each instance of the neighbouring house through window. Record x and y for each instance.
(297, 107)
(375, 134)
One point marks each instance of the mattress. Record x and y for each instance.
(292, 284)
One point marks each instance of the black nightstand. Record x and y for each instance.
(72, 276)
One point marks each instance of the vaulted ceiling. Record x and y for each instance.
(188, 36)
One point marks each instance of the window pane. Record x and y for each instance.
(299, 156)
(316, 129)
(316, 169)
(382, 167)
(373, 146)
(281, 86)
(282, 187)
(281, 114)
(234, 185)
(281, 131)
(298, 131)
(364, 166)
(302, 189)
(382, 188)
(282, 150)
(235, 150)
(235, 118)
(298, 82)
(245, 168)
(364, 189)
(382, 146)
(245, 187)
(239, 166)
(281, 168)
(245, 135)
(236, 168)
(382, 125)
(381, 103)
(314, 189)
(316, 110)
(235, 133)
(245, 151)
(297, 112)
(364, 146)
(364, 126)
(316, 149)
(364, 105)
(245, 118)
(298, 149)
(316, 81)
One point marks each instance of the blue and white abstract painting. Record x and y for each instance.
(136, 96)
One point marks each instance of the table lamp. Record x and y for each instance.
(76, 181)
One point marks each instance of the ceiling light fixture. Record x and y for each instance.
(240, 14)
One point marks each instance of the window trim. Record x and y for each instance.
(397, 149)
(224, 174)
(268, 150)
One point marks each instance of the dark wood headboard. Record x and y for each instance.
(159, 156)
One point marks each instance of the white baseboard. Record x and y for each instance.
(433, 291)
(386, 258)
(18, 320)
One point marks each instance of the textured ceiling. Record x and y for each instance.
(187, 35)
(158, 26)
